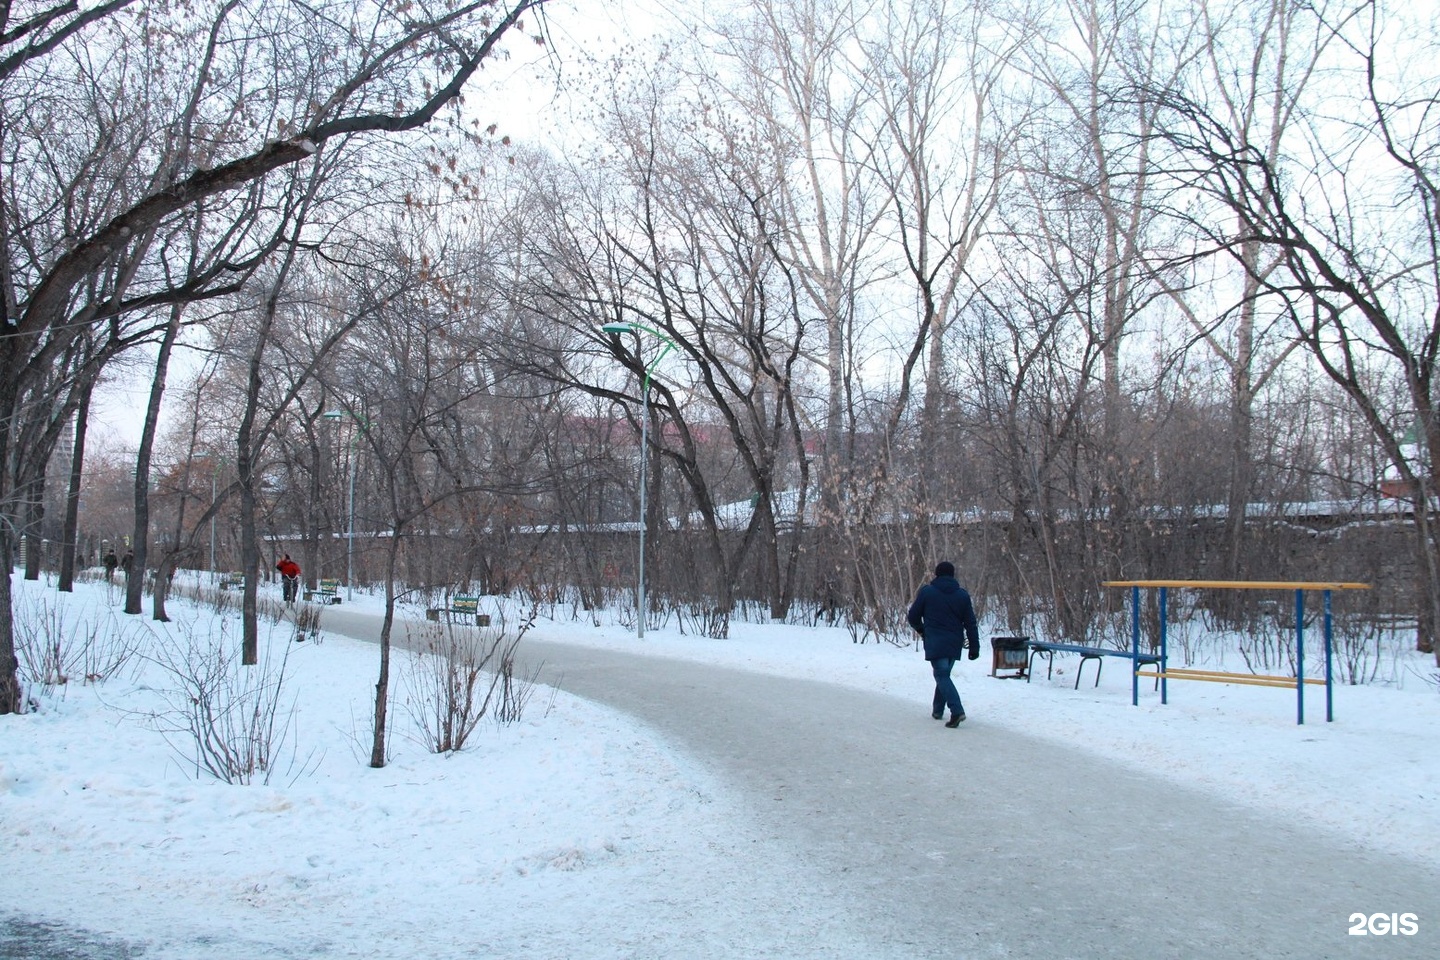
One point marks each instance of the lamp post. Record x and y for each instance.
(615, 329)
(216, 462)
(335, 415)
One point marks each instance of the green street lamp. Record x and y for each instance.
(333, 416)
(614, 330)
(216, 463)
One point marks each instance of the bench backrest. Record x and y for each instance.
(465, 604)
(330, 585)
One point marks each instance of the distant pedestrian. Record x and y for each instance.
(289, 578)
(127, 561)
(111, 562)
(945, 619)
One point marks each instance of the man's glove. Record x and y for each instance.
(975, 652)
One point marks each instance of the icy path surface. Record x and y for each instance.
(984, 842)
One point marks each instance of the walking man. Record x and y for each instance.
(945, 619)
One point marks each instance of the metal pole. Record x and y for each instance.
(614, 330)
(1134, 646)
(212, 526)
(350, 537)
(1164, 643)
(1300, 656)
(644, 459)
(1329, 666)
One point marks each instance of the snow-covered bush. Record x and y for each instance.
(222, 717)
(56, 645)
(458, 675)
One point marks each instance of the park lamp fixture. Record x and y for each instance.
(614, 329)
(336, 416)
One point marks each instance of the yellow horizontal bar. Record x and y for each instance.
(1242, 584)
(1215, 676)
(1230, 673)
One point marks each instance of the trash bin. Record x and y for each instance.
(1009, 653)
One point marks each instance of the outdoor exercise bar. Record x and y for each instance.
(1299, 681)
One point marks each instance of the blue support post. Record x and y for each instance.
(1329, 666)
(1299, 656)
(1164, 640)
(1134, 646)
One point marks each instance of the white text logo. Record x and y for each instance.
(1381, 924)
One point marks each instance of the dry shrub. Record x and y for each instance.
(223, 718)
(457, 675)
(55, 645)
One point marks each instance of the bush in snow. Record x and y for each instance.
(55, 645)
(222, 717)
(458, 675)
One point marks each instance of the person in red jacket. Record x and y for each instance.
(289, 577)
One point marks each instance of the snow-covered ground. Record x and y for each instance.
(574, 821)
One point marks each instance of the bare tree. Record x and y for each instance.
(134, 585)
(814, 109)
(1259, 60)
(1358, 275)
(680, 245)
(403, 381)
(948, 147)
(1036, 355)
(1094, 148)
(89, 239)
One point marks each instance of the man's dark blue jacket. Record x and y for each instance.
(943, 615)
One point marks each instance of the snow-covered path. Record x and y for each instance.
(983, 841)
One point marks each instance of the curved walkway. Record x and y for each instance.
(983, 842)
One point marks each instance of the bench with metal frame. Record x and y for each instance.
(326, 591)
(1039, 648)
(467, 606)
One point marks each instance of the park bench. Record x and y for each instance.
(234, 580)
(326, 591)
(460, 607)
(1044, 648)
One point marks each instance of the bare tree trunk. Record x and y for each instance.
(69, 539)
(1242, 467)
(165, 568)
(382, 683)
(34, 513)
(249, 443)
(247, 453)
(184, 545)
(11, 693)
(135, 583)
(1427, 548)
